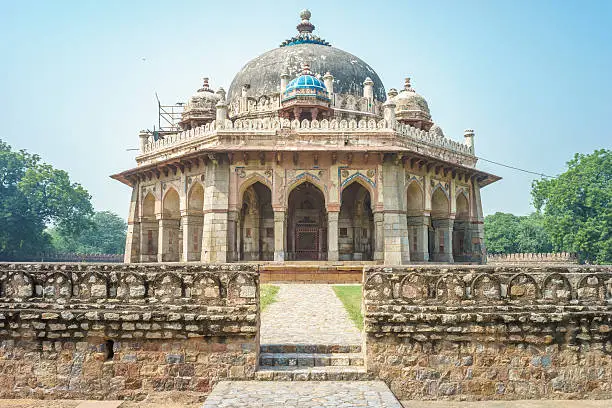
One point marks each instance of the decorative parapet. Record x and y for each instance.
(118, 301)
(405, 133)
(556, 257)
(474, 333)
(518, 304)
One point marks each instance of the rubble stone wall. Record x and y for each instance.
(482, 332)
(122, 331)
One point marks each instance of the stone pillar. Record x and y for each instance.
(443, 234)
(368, 89)
(168, 240)
(328, 80)
(148, 240)
(379, 236)
(132, 241)
(192, 237)
(419, 229)
(468, 135)
(232, 236)
(279, 235)
(476, 243)
(216, 203)
(332, 235)
(144, 139)
(389, 113)
(284, 80)
(221, 114)
(396, 241)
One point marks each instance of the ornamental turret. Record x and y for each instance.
(201, 108)
(411, 108)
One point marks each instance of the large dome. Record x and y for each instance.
(262, 74)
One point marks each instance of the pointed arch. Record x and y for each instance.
(415, 199)
(355, 223)
(256, 223)
(249, 181)
(171, 204)
(304, 178)
(440, 203)
(462, 206)
(364, 182)
(195, 197)
(306, 237)
(148, 206)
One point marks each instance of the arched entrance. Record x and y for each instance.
(418, 223)
(256, 224)
(355, 224)
(306, 224)
(169, 228)
(440, 237)
(460, 229)
(193, 224)
(149, 228)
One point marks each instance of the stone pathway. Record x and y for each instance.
(307, 314)
(315, 394)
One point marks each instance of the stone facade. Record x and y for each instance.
(121, 331)
(324, 167)
(490, 333)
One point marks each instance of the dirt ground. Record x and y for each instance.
(157, 400)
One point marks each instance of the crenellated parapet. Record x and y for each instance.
(52, 301)
(554, 257)
(379, 133)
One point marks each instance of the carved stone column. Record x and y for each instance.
(443, 240)
(279, 235)
(192, 237)
(419, 237)
(168, 240)
(332, 235)
(149, 230)
(379, 236)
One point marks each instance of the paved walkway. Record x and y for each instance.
(307, 314)
(315, 394)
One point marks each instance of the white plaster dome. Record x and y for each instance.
(261, 76)
(409, 101)
(200, 108)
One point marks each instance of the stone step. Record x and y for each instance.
(327, 373)
(310, 360)
(310, 348)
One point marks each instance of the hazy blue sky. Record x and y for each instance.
(533, 78)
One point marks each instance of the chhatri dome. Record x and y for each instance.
(260, 76)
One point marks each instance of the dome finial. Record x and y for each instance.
(407, 85)
(305, 26)
(205, 86)
(306, 69)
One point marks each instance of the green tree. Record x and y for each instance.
(105, 235)
(32, 195)
(501, 231)
(576, 207)
(532, 236)
(507, 233)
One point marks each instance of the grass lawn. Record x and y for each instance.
(350, 295)
(267, 295)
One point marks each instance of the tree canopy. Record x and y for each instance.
(508, 233)
(33, 195)
(576, 207)
(105, 235)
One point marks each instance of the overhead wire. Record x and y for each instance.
(516, 168)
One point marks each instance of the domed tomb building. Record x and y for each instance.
(306, 158)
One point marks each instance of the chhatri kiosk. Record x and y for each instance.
(305, 158)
